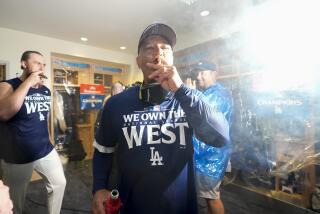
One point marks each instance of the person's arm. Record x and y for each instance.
(11, 101)
(210, 126)
(101, 167)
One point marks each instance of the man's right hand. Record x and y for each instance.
(35, 78)
(166, 75)
(99, 198)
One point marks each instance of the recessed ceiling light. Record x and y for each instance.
(123, 47)
(84, 39)
(204, 13)
(189, 2)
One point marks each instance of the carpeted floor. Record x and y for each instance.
(77, 198)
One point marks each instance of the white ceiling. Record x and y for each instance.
(113, 23)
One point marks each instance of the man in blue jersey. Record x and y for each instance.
(152, 127)
(211, 162)
(24, 109)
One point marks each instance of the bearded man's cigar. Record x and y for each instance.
(43, 76)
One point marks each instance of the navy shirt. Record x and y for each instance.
(28, 128)
(154, 149)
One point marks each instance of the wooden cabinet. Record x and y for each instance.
(69, 77)
(84, 134)
(102, 79)
(68, 74)
(2, 72)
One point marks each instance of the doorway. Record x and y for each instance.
(2, 78)
(3, 71)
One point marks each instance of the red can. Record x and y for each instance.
(113, 204)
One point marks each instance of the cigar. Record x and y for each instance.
(43, 76)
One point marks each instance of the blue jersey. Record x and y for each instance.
(28, 128)
(209, 160)
(154, 149)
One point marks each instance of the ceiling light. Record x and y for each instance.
(204, 13)
(188, 2)
(84, 39)
(123, 48)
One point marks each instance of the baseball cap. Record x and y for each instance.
(204, 65)
(158, 29)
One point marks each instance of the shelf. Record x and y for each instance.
(236, 75)
(83, 125)
(296, 199)
(102, 79)
(63, 85)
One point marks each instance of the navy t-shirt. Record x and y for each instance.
(154, 150)
(28, 137)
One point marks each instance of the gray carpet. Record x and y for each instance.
(77, 197)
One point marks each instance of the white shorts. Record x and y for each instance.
(207, 187)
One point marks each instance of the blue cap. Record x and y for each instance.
(203, 66)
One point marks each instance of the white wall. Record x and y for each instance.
(14, 43)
